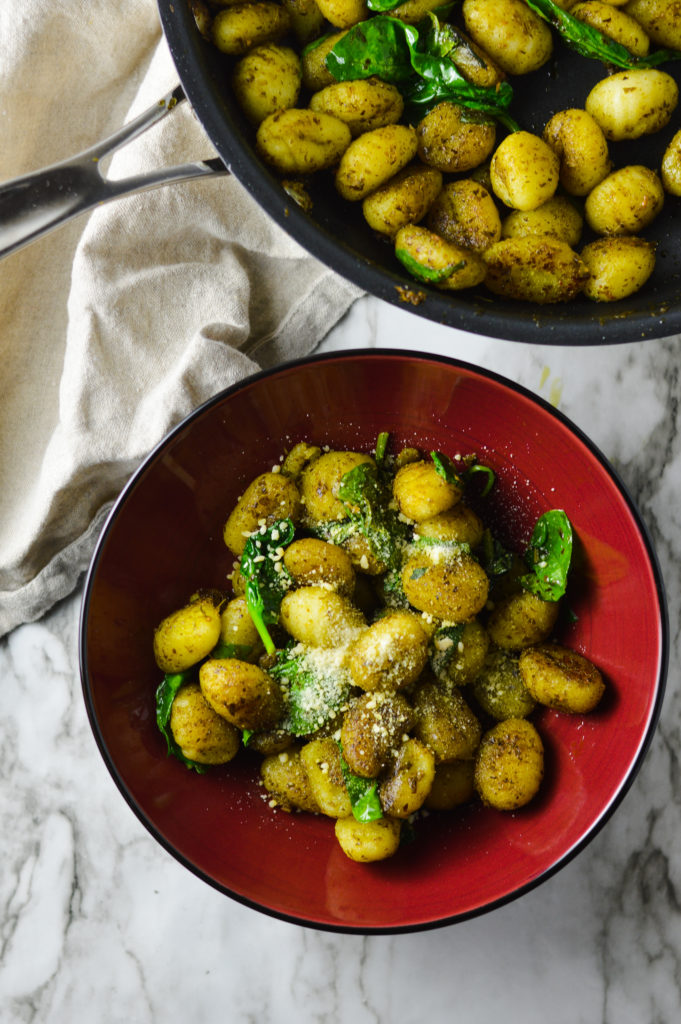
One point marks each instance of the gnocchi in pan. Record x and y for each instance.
(406, 106)
(377, 653)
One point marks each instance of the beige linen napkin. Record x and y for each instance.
(116, 326)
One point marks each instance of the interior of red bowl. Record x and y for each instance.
(164, 540)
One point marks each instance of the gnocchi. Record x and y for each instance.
(452, 187)
(371, 698)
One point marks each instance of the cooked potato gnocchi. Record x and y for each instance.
(625, 202)
(618, 266)
(510, 32)
(267, 79)
(373, 158)
(450, 141)
(535, 268)
(558, 217)
(633, 103)
(368, 694)
(524, 171)
(302, 141)
(404, 199)
(561, 678)
(435, 175)
(582, 149)
(363, 105)
(509, 764)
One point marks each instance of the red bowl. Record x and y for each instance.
(163, 539)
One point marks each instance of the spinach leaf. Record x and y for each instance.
(444, 647)
(238, 651)
(494, 557)
(445, 468)
(393, 591)
(420, 62)
(589, 42)
(548, 556)
(165, 695)
(265, 583)
(316, 690)
(367, 500)
(381, 447)
(422, 272)
(363, 794)
(383, 5)
(478, 467)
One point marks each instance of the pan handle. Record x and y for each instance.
(36, 203)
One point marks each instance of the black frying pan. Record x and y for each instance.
(337, 234)
(335, 231)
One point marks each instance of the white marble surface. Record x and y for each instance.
(99, 924)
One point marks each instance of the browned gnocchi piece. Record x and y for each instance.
(367, 841)
(372, 729)
(343, 13)
(453, 785)
(661, 19)
(619, 265)
(269, 497)
(265, 80)
(314, 562)
(319, 483)
(321, 759)
(465, 214)
(558, 217)
(516, 38)
(448, 585)
(241, 692)
(406, 787)
(446, 723)
(535, 268)
(460, 525)
(201, 734)
(451, 141)
(363, 105)
(320, 617)
(582, 148)
(615, 24)
(671, 166)
(509, 765)
(625, 202)
(431, 258)
(373, 158)
(241, 26)
(297, 141)
(286, 781)
(633, 103)
(187, 635)
(237, 628)
(520, 620)
(524, 171)
(421, 492)
(500, 689)
(405, 199)
(390, 654)
(561, 678)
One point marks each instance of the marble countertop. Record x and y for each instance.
(99, 924)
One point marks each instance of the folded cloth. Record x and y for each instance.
(117, 325)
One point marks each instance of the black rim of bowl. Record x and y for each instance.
(355, 354)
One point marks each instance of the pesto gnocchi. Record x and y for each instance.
(406, 111)
(374, 697)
